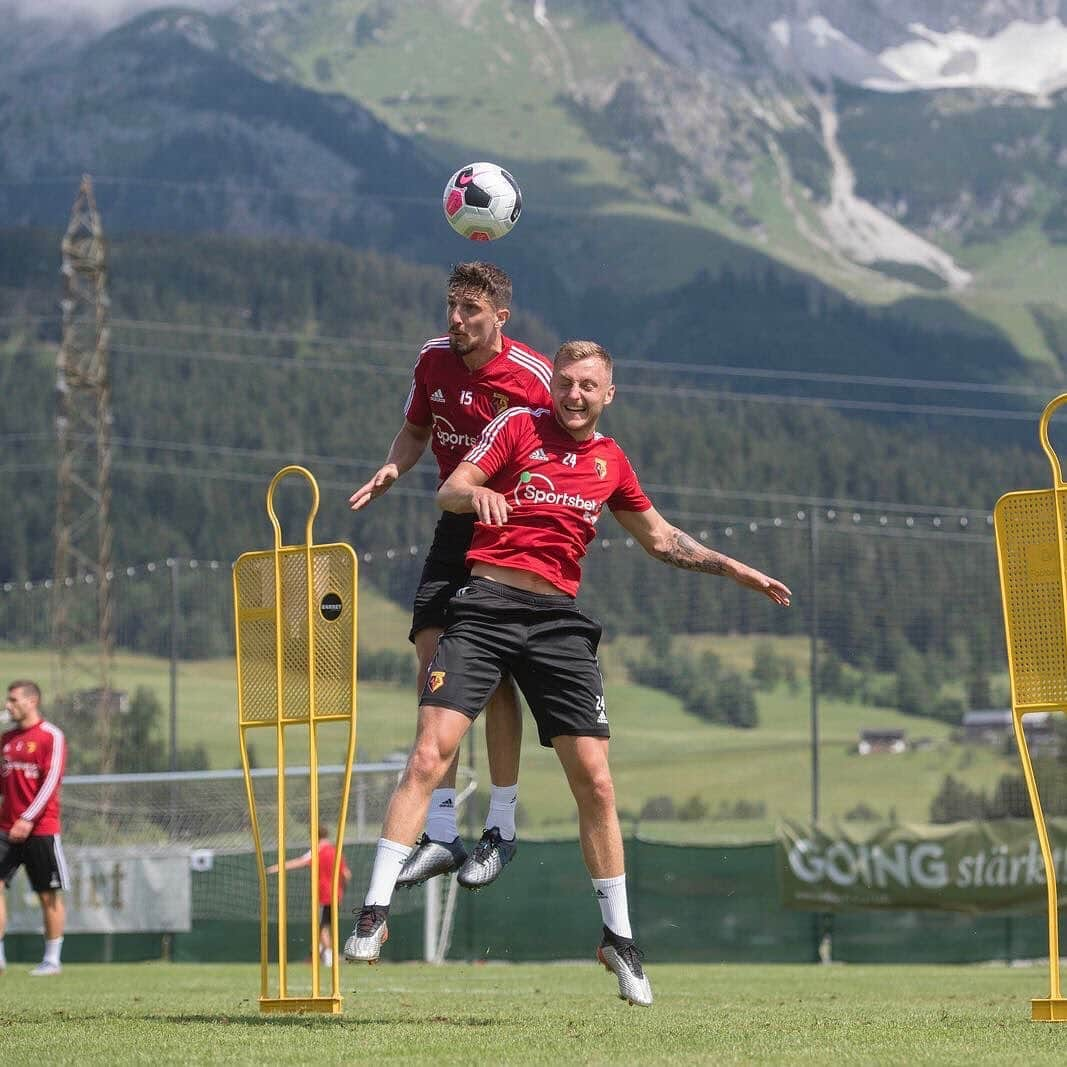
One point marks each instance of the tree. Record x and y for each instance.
(737, 700)
(914, 695)
(768, 667)
(955, 802)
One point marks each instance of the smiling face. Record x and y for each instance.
(581, 389)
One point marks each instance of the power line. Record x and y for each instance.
(262, 335)
(237, 476)
(995, 414)
(317, 194)
(427, 471)
(885, 381)
(731, 527)
(223, 450)
(315, 363)
(703, 369)
(873, 514)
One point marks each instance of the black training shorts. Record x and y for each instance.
(41, 855)
(444, 572)
(544, 642)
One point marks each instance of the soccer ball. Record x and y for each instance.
(482, 201)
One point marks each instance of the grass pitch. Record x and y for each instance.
(536, 1014)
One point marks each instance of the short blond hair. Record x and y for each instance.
(574, 351)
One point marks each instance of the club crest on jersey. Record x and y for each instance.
(500, 402)
(539, 453)
(435, 681)
(601, 467)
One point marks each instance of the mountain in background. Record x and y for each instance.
(907, 155)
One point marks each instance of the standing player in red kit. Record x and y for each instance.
(327, 854)
(461, 382)
(32, 758)
(537, 482)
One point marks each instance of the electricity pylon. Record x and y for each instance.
(82, 621)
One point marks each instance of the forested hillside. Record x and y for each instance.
(233, 357)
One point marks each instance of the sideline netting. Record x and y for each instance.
(205, 814)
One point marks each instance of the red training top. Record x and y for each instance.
(459, 402)
(558, 487)
(32, 761)
(326, 855)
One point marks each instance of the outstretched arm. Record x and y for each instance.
(292, 865)
(405, 451)
(671, 545)
(465, 491)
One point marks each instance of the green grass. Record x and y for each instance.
(537, 1014)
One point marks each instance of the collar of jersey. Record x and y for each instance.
(505, 347)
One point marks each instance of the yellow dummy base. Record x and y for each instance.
(318, 1005)
(1049, 1010)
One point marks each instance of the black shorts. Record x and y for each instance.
(544, 642)
(41, 855)
(327, 915)
(444, 572)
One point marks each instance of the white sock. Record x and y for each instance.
(503, 800)
(441, 820)
(611, 896)
(327, 957)
(3, 957)
(52, 950)
(388, 860)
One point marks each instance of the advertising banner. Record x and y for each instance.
(968, 867)
(113, 891)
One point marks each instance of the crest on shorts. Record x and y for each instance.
(435, 681)
(601, 467)
(500, 402)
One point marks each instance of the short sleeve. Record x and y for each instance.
(417, 407)
(539, 396)
(628, 495)
(498, 441)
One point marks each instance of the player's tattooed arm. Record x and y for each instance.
(682, 551)
(667, 543)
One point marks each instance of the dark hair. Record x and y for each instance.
(484, 278)
(31, 687)
(573, 351)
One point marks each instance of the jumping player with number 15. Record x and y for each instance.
(460, 383)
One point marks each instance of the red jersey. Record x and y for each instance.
(557, 486)
(32, 761)
(459, 403)
(326, 855)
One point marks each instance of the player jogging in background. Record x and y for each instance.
(537, 482)
(327, 853)
(461, 382)
(32, 758)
